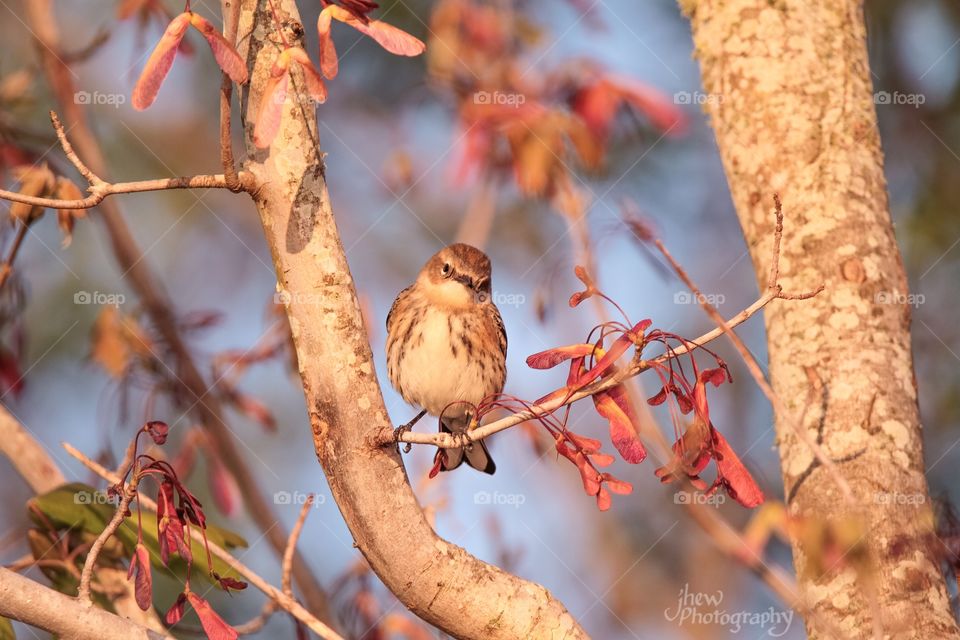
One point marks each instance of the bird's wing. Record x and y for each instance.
(501, 330)
(395, 303)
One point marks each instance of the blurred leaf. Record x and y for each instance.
(117, 338)
(42, 547)
(36, 181)
(6, 630)
(79, 506)
(73, 506)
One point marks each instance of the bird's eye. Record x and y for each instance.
(446, 269)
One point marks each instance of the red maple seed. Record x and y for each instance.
(733, 475)
(552, 357)
(392, 39)
(614, 404)
(169, 525)
(175, 613)
(143, 584)
(275, 93)
(213, 625)
(161, 59)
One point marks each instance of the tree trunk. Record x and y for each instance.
(438, 581)
(791, 102)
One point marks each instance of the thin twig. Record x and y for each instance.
(258, 623)
(284, 601)
(447, 440)
(7, 268)
(100, 189)
(68, 151)
(130, 490)
(230, 15)
(83, 594)
(441, 439)
(99, 192)
(287, 581)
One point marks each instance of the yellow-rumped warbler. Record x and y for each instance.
(447, 348)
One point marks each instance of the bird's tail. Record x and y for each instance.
(475, 453)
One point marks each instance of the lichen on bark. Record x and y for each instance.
(793, 112)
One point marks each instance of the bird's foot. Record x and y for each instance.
(462, 439)
(402, 429)
(398, 433)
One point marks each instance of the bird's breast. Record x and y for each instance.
(448, 358)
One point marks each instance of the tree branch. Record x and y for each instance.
(28, 456)
(436, 580)
(194, 394)
(129, 490)
(447, 440)
(100, 189)
(41, 607)
(229, 11)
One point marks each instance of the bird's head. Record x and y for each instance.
(457, 276)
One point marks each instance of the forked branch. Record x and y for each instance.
(99, 189)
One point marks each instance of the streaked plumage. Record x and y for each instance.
(446, 345)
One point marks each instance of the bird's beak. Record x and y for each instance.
(465, 280)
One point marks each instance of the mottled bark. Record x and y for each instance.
(791, 102)
(438, 581)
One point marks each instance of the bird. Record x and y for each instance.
(447, 348)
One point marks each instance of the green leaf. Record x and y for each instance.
(79, 506)
(73, 506)
(6, 630)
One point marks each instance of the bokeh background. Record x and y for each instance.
(393, 132)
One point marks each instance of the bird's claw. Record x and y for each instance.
(398, 433)
(462, 440)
